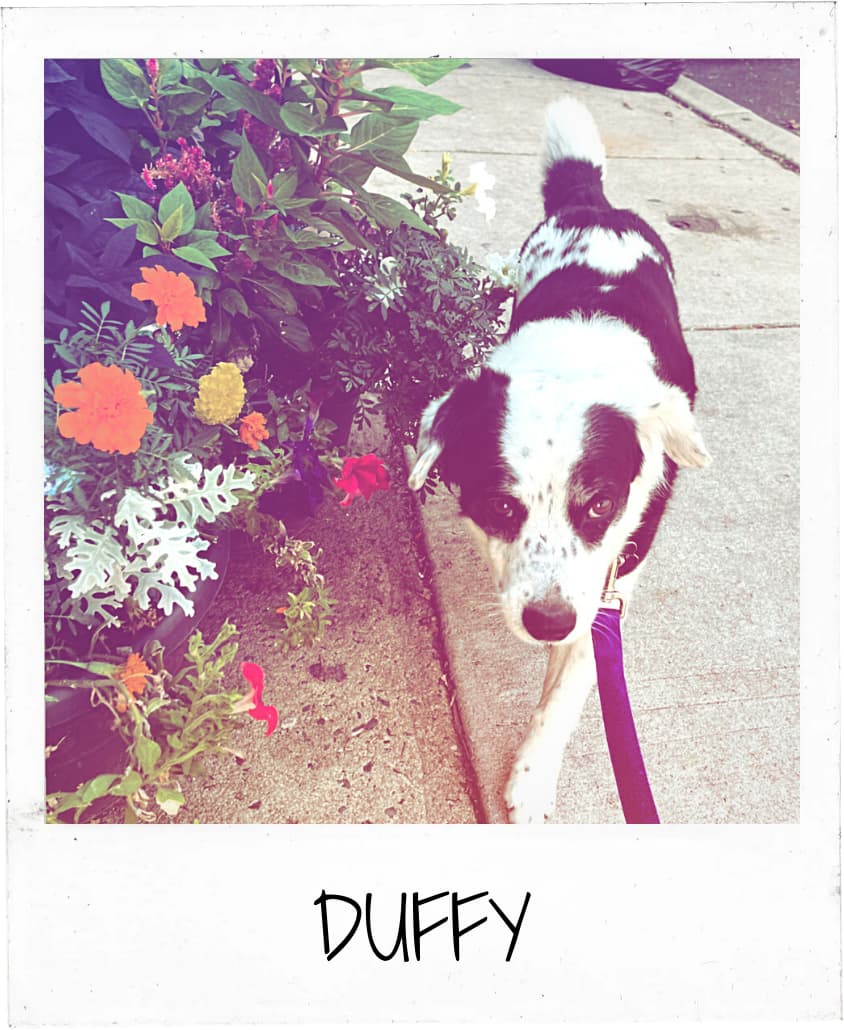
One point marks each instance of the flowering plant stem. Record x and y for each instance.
(168, 726)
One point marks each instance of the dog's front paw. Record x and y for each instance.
(530, 796)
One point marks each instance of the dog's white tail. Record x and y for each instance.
(571, 135)
(574, 157)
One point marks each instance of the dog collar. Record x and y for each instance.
(625, 562)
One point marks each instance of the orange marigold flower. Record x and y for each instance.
(253, 429)
(174, 295)
(134, 675)
(111, 412)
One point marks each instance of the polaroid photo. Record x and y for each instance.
(367, 381)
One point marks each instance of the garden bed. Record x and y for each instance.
(248, 279)
(365, 730)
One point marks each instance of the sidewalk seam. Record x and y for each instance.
(740, 327)
(425, 563)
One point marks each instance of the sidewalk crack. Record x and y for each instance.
(742, 326)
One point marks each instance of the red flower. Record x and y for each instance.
(361, 477)
(264, 713)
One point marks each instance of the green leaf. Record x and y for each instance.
(195, 256)
(171, 227)
(347, 229)
(206, 241)
(232, 301)
(295, 333)
(170, 801)
(368, 96)
(280, 296)
(97, 788)
(169, 72)
(424, 71)
(178, 199)
(134, 208)
(153, 706)
(184, 101)
(125, 81)
(352, 171)
(264, 108)
(417, 102)
(248, 175)
(391, 213)
(146, 232)
(284, 185)
(148, 753)
(398, 166)
(130, 783)
(102, 129)
(297, 118)
(382, 132)
(308, 274)
(70, 801)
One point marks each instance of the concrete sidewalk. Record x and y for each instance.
(712, 639)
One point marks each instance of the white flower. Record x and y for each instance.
(504, 269)
(482, 181)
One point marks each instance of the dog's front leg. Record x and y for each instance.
(531, 792)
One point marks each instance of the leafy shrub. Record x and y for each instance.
(257, 176)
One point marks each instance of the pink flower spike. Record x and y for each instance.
(264, 713)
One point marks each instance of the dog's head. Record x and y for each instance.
(555, 469)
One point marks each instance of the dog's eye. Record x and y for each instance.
(501, 507)
(600, 508)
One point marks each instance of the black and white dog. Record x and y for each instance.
(565, 447)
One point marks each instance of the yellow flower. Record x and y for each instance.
(221, 395)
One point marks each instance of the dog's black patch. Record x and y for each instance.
(611, 460)
(469, 425)
(573, 182)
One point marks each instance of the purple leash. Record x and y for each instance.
(631, 778)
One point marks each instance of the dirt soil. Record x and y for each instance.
(365, 730)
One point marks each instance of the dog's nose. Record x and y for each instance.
(549, 620)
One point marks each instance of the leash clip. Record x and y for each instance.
(610, 594)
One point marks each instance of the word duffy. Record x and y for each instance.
(410, 926)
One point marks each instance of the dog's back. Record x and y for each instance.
(591, 258)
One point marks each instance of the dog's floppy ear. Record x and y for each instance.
(430, 444)
(461, 429)
(672, 423)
